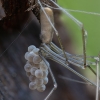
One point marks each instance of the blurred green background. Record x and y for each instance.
(91, 23)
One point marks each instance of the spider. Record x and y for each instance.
(48, 50)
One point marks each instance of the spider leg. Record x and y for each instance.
(53, 78)
(84, 36)
(50, 55)
(97, 89)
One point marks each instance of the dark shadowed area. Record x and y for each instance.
(13, 79)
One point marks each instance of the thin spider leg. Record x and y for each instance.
(71, 10)
(84, 33)
(92, 70)
(72, 61)
(71, 58)
(58, 37)
(97, 89)
(55, 0)
(52, 76)
(73, 80)
(56, 59)
(72, 70)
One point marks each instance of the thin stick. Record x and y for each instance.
(59, 39)
(77, 11)
(84, 33)
(92, 70)
(69, 15)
